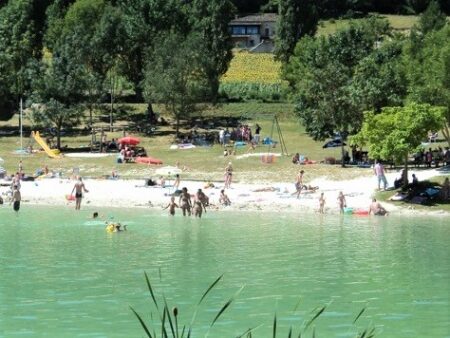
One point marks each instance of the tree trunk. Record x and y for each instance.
(58, 135)
(214, 84)
(151, 116)
(446, 133)
(178, 127)
(405, 176)
(342, 153)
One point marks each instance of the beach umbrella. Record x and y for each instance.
(131, 140)
(168, 171)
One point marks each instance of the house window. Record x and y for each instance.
(252, 30)
(238, 30)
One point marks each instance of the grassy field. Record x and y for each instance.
(398, 23)
(204, 162)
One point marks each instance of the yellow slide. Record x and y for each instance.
(53, 153)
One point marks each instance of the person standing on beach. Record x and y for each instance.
(16, 198)
(341, 202)
(299, 183)
(78, 188)
(176, 183)
(321, 203)
(379, 171)
(228, 175)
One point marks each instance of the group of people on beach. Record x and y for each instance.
(14, 194)
(187, 206)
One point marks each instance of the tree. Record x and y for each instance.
(379, 80)
(210, 20)
(57, 91)
(321, 73)
(92, 34)
(173, 75)
(428, 72)
(19, 46)
(432, 18)
(145, 21)
(296, 19)
(397, 131)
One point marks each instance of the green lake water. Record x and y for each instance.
(63, 275)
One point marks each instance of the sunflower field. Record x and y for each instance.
(252, 76)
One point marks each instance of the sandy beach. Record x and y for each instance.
(265, 197)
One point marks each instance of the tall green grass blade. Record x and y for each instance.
(169, 317)
(249, 331)
(163, 325)
(175, 315)
(297, 305)
(314, 333)
(321, 310)
(142, 323)
(371, 333)
(182, 331)
(227, 304)
(274, 332)
(359, 314)
(290, 332)
(151, 290)
(194, 316)
(210, 288)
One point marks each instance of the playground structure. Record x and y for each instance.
(269, 141)
(53, 153)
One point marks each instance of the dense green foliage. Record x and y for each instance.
(329, 78)
(58, 87)
(19, 46)
(297, 18)
(173, 74)
(107, 40)
(336, 8)
(397, 131)
(427, 59)
(334, 79)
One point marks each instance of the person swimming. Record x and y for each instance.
(115, 227)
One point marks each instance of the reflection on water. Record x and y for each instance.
(62, 274)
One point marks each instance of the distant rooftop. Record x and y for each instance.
(255, 19)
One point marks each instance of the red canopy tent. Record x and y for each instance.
(129, 140)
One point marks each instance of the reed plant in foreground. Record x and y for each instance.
(169, 327)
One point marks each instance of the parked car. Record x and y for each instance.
(336, 142)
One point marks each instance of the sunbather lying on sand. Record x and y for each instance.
(266, 189)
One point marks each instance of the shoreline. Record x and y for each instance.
(123, 193)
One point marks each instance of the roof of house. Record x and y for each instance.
(255, 19)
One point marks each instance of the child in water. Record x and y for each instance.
(172, 205)
(321, 203)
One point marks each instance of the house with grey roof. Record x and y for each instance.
(255, 32)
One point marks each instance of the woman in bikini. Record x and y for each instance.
(185, 202)
(228, 175)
